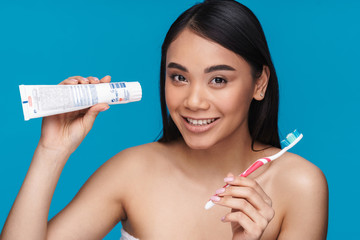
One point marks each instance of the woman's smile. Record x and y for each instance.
(199, 125)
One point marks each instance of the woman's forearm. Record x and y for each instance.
(60, 135)
(28, 216)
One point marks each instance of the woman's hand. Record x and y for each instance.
(251, 209)
(65, 132)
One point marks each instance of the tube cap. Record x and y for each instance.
(135, 91)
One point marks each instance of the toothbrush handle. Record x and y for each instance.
(255, 166)
(252, 168)
(246, 173)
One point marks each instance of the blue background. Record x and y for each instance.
(314, 45)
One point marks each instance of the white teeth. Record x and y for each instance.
(200, 122)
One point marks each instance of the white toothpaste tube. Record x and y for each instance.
(45, 100)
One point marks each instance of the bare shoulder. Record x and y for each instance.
(139, 157)
(129, 164)
(133, 164)
(302, 193)
(298, 174)
(123, 172)
(122, 167)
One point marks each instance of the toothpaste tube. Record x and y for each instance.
(45, 100)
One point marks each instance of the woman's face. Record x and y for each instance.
(208, 91)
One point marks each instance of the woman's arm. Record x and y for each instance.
(28, 216)
(60, 136)
(98, 206)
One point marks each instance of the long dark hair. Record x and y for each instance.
(235, 27)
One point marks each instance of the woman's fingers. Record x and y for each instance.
(93, 80)
(82, 80)
(69, 81)
(253, 231)
(245, 199)
(251, 209)
(74, 80)
(92, 113)
(246, 195)
(106, 79)
(239, 204)
(250, 186)
(260, 216)
(67, 130)
(250, 196)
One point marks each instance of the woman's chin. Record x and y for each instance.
(198, 144)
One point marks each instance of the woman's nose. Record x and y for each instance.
(196, 99)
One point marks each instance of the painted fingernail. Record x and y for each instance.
(73, 80)
(96, 79)
(215, 198)
(85, 79)
(228, 179)
(223, 218)
(221, 190)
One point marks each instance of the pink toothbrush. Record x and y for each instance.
(290, 141)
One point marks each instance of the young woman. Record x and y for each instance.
(219, 99)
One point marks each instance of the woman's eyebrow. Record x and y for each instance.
(207, 70)
(178, 66)
(218, 68)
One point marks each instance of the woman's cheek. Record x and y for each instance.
(173, 97)
(229, 100)
(234, 104)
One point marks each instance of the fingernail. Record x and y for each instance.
(228, 179)
(221, 190)
(73, 79)
(104, 109)
(85, 79)
(223, 218)
(96, 79)
(215, 198)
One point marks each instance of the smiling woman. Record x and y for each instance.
(216, 85)
(239, 31)
(219, 99)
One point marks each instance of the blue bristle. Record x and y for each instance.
(290, 137)
(296, 133)
(284, 143)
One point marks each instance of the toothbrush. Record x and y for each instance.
(290, 141)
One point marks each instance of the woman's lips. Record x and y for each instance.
(199, 128)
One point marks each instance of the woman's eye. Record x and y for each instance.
(218, 81)
(178, 78)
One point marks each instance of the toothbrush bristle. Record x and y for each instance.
(290, 138)
(296, 133)
(284, 143)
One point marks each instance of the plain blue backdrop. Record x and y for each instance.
(314, 45)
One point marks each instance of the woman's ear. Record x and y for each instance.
(261, 84)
